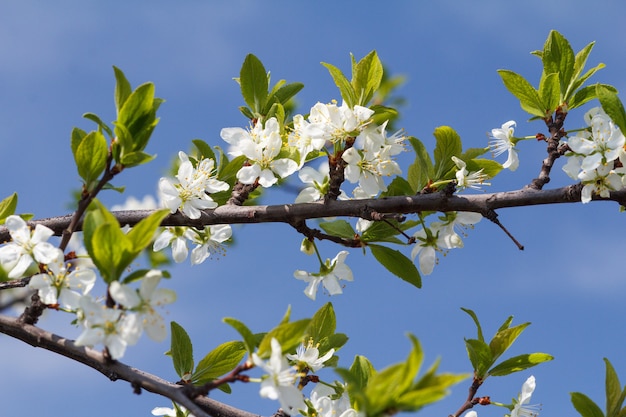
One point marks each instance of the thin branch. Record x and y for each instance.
(294, 213)
(115, 370)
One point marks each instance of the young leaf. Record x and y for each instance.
(366, 77)
(289, 335)
(397, 264)
(550, 91)
(323, 324)
(181, 350)
(218, 362)
(480, 356)
(7, 207)
(142, 234)
(345, 87)
(122, 88)
(99, 122)
(138, 117)
(340, 228)
(90, 157)
(585, 406)
(133, 159)
(475, 318)
(254, 83)
(110, 248)
(448, 145)
(615, 395)
(558, 57)
(421, 170)
(248, 338)
(524, 91)
(519, 363)
(612, 105)
(504, 339)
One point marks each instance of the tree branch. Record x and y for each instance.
(294, 213)
(115, 370)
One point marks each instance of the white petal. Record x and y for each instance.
(249, 174)
(124, 295)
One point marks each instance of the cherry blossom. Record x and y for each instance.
(27, 247)
(329, 276)
(501, 140)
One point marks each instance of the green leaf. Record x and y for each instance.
(397, 264)
(614, 394)
(504, 339)
(142, 234)
(421, 170)
(99, 122)
(490, 167)
(181, 350)
(204, 149)
(137, 118)
(519, 363)
(76, 138)
(254, 83)
(612, 105)
(585, 406)
(289, 335)
(323, 324)
(7, 207)
(448, 145)
(385, 387)
(90, 156)
(550, 92)
(524, 91)
(345, 87)
(340, 228)
(122, 88)
(383, 231)
(286, 92)
(218, 362)
(366, 78)
(334, 341)
(248, 338)
(558, 57)
(475, 318)
(480, 356)
(133, 159)
(582, 96)
(110, 248)
(398, 187)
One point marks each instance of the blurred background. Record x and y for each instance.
(56, 64)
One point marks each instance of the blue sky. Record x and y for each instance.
(56, 64)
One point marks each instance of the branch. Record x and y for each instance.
(114, 370)
(295, 213)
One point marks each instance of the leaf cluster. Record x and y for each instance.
(484, 355)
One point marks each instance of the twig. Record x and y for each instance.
(114, 370)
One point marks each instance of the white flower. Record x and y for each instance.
(374, 137)
(364, 171)
(601, 181)
(59, 285)
(177, 237)
(321, 398)
(472, 413)
(189, 194)
(108, 326)
(521, 407)
(305, 138)
(602, 145)
(501, 140)
(429, 242)
(329, 276)
(309, 356)
(329, 122)
(26, 247)
(279, 383)
(468, 180)
(261, 146)
(144, 301)
(318, 180)
(458, 220)
(208, 241)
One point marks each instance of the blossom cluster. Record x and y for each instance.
(597, 156)
(280, 379)
(66, 285)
